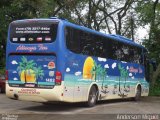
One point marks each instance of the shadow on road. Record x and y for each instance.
(115, 101)
(66, 107)
(56, 107)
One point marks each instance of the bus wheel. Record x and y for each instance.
(138, 93)
(92, 97)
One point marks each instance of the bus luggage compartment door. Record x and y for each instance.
(37, 71)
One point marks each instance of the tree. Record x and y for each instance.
(102, 15)
(29, 68)
(38, 73)
(123, 74)
(11, 10)
(25, 67)
(149, 15)
(100, 73)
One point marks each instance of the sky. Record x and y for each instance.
(142, 33)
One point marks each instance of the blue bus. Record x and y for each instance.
(53, 60)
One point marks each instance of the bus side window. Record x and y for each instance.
(141, 59)
(72, 40)
(99, 48)
(108, 48)
(86, 43)
(87, 49)
(137, 55)
(140, 56)
(116, 50)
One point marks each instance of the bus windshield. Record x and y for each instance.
(32, 31)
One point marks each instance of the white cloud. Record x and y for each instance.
(114, 65)
(14, 62)
(45, 65)
(78, 73)
(102, 59)
(68, 70)
(14, 72)
(130, 74)
(15, 78)
(123, 62)
(106, 66)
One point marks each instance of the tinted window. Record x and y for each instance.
(73, 40)
(86, 43)
(31, 31)
(125, 52)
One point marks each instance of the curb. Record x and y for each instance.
(151, 98)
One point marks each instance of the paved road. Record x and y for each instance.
(109, 109)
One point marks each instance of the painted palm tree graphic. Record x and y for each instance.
(123, 74)
(38, 72)
(29, 71)
(98, 72)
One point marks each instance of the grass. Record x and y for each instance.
(155, 90)
(2, 71)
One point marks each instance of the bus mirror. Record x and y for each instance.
(154, 64)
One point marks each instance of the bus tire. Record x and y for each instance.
(92, 97)
(138, 93)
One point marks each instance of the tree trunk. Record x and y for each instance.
(25, 76)
(155, 75)
(119, 84)
(89, 15)
(153, 20)
(132, 28)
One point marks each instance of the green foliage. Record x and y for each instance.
(2, 61)
(149, 15)
(123, 71)
(25, 65)
(11, 10)
(39, 72)
(98, 71)
(155, 90)
(145, 12)
(2, 71)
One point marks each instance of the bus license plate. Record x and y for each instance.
(29, 85)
